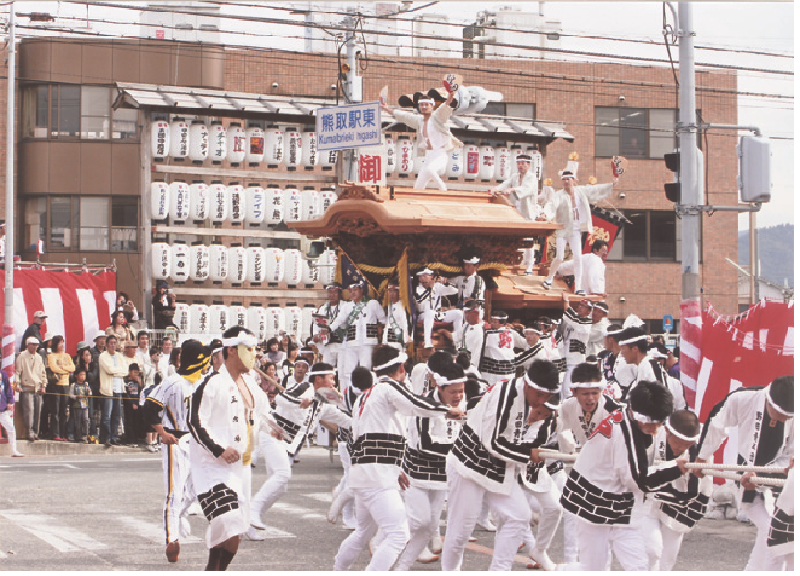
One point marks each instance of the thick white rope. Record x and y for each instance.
(734, 467)
(738, 477)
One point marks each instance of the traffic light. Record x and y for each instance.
(673, 189)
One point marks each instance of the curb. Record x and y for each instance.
(53, 448)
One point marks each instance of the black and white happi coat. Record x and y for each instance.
(380, 420)
(780, 539)
(575, 337)
(360, 321)
(429, 300)
(469, 288)
(395, 332)
(498, 360)
(680, 504)
(612, 470)
(345, 433)
(491, 448)
(428, 441)
(536, 477)
(571, 417)
(469, 338)
(329, 312)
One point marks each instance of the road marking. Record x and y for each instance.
(305, 513)
(489, 551)
(151, 531)
(272, 532)
(47, 528)
(324, 497)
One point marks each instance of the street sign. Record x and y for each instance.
(667, 323)
(349, 126)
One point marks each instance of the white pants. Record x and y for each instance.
(596, 541)
(574, 241)
(423, 509)
(511, 513)
(376, 508)
(429, 318)
(177, 485)
(279, 470)
(435, 162)
(549, 517)
(566, 383)
(653, 541)
(350, 356)
(670, 546)
(343, 490)
(7, 422)
(760, 557)
(330, 353)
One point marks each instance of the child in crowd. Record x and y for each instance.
(133, 388)
(79, 408)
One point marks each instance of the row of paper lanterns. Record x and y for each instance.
(180, 263)
(470, 161)
(251, 205)
(182, 140)
(264, 322)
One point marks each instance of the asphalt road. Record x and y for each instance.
(103, 512)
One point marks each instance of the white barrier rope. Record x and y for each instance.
(738, 477)
(734, 467)
(555, 455)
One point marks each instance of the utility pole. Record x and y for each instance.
(687, 134)
(8, 323)
(352, 89)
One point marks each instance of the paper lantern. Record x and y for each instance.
(391, 154)
(309, 154)
(237, 315)
(516, 150)
(307, 321)
(200, 200)
(217, 318)
(276, 320)
(179, 200)
(237, 263)
(198, 142)
(486, 171)
(274, 203)
(310, 207)
(405, 156)
(537, 163)
(218, 197)
(274, 146)
(198, 262)
(179, 139)
(257, 320)
(419, 161)
(256, 205)
(181, 317)
(294, 320)
(326, 199)
(293, 267)
(293, 153)
(455, 163)
(274, 264)
(159, 139)
(236, 203)
(180, 262)
(310, 271)
(256, 270)
(472, 161)
(159, 200)
(503, 166)
(237, 143)
(217, 142)
(292, 204)
(326, 264)
(198, 318)
(218, 263)
(162, 260)
(254, 150)
(327, 159)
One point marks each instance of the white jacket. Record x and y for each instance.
(439, 118)
(559, 208)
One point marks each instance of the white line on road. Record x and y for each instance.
(272, 532)
(47, 528)
(324, 497)
(305, 513)
(151, 531)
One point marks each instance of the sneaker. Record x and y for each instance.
(487, 526)
(256, 534)
(547, 285)
(436, 544)
(16, 454)
(173, 550)
(426, 556)
(541, 558)
(255, 522)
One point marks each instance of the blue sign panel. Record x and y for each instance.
(349, 126)
(667, 323)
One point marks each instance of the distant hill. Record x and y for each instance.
(776, 247)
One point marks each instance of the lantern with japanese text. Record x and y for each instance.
(198, 318)
(326, 264)
(537, 164)
(327, 159)
(276, 321)
(310, 154)
(180, 262)
(218, 263)
(255, 264)
(159, 139)
(472, 161)
(310, 207)
(181, 317)
(198, 142)
(162, 260)
(274, 203)
(179, 139)
(200, 200)
(236, 203)
(257, 320)
(405, 156)
(391, 154)
(179, 200)
(293, 154)
(256, 205)
(326, 199)
(419, 161)
(308, 320)
(274, 264)
(198, 262)
(217, 318)
(273, 153)
(237, 263)
(217, 142)
(293, 266)
(237, 315)
(455, 163)
(516, 150)
(237, 143)
(310, 271)
(159, 200)
(486, 171)
(254, 151)
(503, 167)
(294, 320)
(218, 196)
(292, 204)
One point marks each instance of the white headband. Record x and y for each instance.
(425, 271)
(778, 408)
(632, 340)
(475, 260)
(535, 386)
(442, 381)
(644, 419)
(241, 338)
(399, 360)
(679, 435)
(301, 359)
(601, 384)
(320, 373)
(539, 332)
(428, 100)
(654, 353)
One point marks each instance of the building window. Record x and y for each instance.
(94, 223)
(652, 235)
(634, 132)
(124, 223)
(69, 111)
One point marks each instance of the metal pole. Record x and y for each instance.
(753, 282)
(10, 229)
(687, 132)
(756, 264)
(352, 94)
